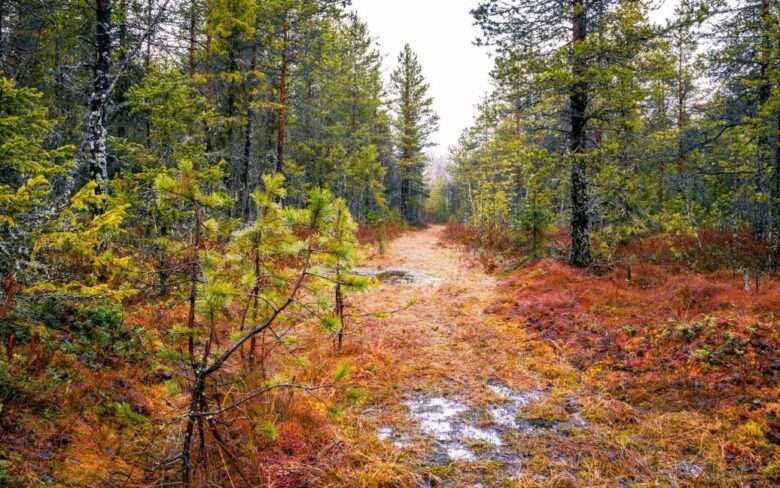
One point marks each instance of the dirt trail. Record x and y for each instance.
(452, 395)
(449, 383)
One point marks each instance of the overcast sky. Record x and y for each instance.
(442, 34)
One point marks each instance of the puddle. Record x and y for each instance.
(384, 433)
(482, 435)
(459, 432)
(451, 426)
(689, 470)
(399, 440)
(505, 413)
(436, 415)
(399, 276)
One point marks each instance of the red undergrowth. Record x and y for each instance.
(663, 341)
(684, 336)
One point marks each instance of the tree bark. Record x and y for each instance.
(764, 142)
(2, 34)
(123, 25)
(282, 122)
(97, 148)
(192, 37)
(578, 99)
(776, 191)
(244, 185)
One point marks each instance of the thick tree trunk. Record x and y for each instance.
(96, 143)
(578, 99)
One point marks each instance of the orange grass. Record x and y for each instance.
(625, 354)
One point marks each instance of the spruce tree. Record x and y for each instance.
(415, 122)
(548, 29)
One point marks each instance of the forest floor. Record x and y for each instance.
(539, 374)
(458, 393)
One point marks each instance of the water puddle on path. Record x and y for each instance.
(399, 276)
(459, 432)
(505, 413)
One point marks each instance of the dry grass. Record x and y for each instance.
(642, 428)
(622, 356)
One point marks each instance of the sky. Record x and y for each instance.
(442, 34)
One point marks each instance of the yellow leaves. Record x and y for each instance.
(231, 76)
(750, 433)
(30, 193)
(200, 78)
(217, 294)
(86, 196)
(188, 186)
(80, 240)
(164, 183)
(25, 163)
(211, 225)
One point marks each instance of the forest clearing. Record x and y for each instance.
(536, 245)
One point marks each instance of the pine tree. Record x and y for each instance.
(28, 169)
(415, 121)
(543, 28)
(747, 65)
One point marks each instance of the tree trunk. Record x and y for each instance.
(149, 17)
(764, 143)
(196, 402)
(96, 142)
(123, 25)
(2, 34)
(244, 185)
(776, 191)
(192, 37)
(282, 122)
(578, 99)
(232, 176)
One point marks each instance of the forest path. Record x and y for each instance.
(449, 384)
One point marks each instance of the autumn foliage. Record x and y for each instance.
(664, 340)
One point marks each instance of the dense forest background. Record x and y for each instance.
(617, 128)
(204, 156)
(187, 186)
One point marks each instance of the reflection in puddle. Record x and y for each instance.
(482, 435)
(460, 453)
(443, 420)
(384, 433)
